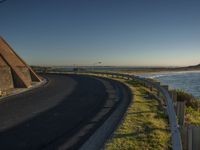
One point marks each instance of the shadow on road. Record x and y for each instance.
(61, 121)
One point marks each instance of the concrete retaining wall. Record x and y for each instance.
(6, 81)
(25, 71)
(13, 68)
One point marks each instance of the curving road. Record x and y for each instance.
(49, 116)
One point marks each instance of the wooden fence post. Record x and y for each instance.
(180, 111)
(166, 87)
(158, 91)
(151, 88)
(173, 95)
(184, 136)
(191, 137)
(195, 138)
(189, 132)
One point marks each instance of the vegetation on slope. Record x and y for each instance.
(192, 107)
(144, 127)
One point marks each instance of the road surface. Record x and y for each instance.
(49, 116)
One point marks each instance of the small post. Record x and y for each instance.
(157, 83)
(173, 95)
(195, 137)
(151, 88)
(166, 87)
(184, 136)
(146, 85)
(180, 111)
(158, 93)
(189, 131)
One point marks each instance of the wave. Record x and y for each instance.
(187, 81)
(167, 74)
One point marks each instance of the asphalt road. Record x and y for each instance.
(42, 117)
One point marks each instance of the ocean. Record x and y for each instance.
(187, 81)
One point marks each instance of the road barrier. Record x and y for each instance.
(164, 90)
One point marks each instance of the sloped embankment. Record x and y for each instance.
(145, 125)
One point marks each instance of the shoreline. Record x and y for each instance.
(172, 79)
(147, 71)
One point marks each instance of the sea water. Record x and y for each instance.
(187, 81)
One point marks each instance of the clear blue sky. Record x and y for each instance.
(116, 32)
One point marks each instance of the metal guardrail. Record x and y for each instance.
(174, 127)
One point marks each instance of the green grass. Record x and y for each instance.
(192, 116)
(144, 127)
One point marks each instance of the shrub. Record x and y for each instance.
(190, 100)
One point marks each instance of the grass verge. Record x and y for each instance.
(145, 126)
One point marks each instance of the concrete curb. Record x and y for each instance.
(98, 139)
(42, 83)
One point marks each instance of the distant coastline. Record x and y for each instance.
(122, 69)
(162, 69)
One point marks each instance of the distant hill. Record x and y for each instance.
(195, 67)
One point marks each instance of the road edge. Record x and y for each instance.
(40, 84)
(98, 139)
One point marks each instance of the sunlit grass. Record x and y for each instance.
(144, 127)
(192, 116)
